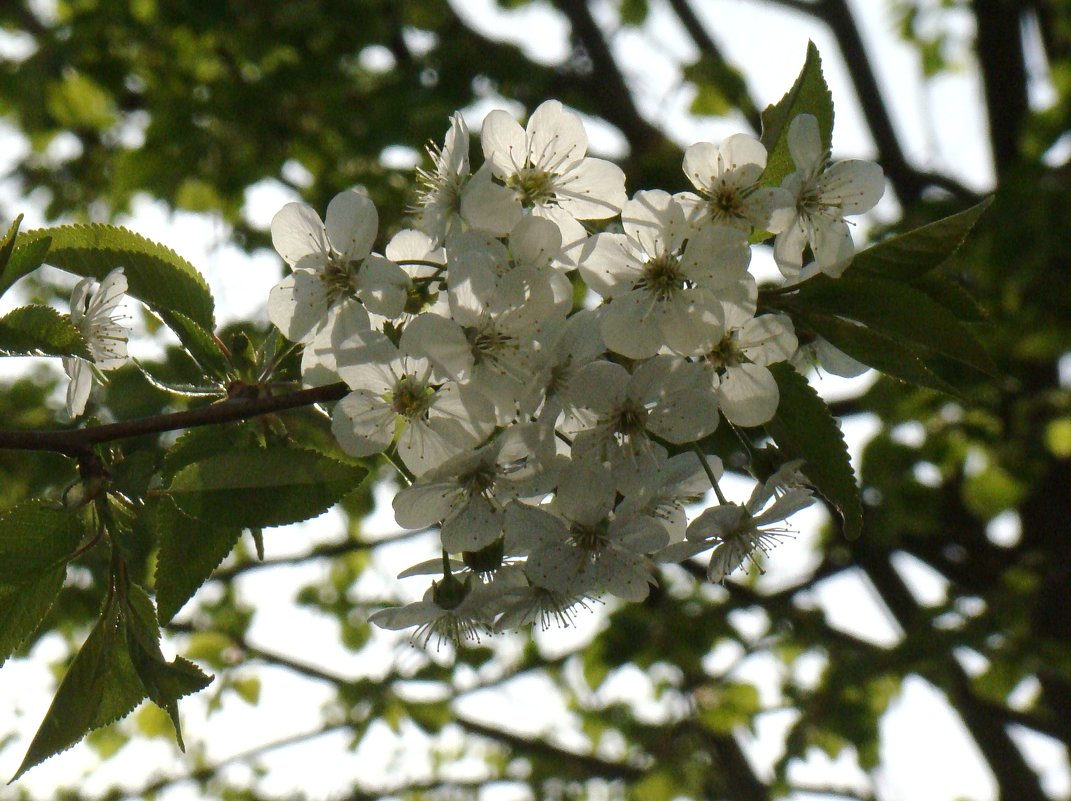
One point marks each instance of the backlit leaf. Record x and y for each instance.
(262, 487)
(40, 331)
(803, 428)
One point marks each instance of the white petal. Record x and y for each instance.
(599, 386)
(362, 423)
(701, 165)
(655, 220)
(352, 224)
(504, 144)
(383, 286)
(768, 338)
(632, 325)
(610, 264)
(476, 526)
(593, 189)
(853, 186)
(741, 150)
(487, 206)
(297, 305)
(423, 505)
(805, 143)
(837, 361)
(298, 232)
(442, 341)
(833, 247)
(748, 395)
(81, 383)
(556, 137)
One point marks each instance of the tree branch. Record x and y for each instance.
(78, 442)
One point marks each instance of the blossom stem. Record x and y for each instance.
(710, 474)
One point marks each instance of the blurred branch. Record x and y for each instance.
(610, 94)
(320, 552)
(706, 45)
(590, 765)
(999, 47)
(1014, 776)
(209, 771)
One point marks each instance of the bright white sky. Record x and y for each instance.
(926, 753)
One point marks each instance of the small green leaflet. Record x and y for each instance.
(7, 244)
(156, 275)
(118, 666)
(262, 487)
(40, 331)
(36, 541)
(911, 255)
(165, 682)
(199, 343)
(189, 551)
(100, 687)
(804, 428)
(23, 260)
(808, 95)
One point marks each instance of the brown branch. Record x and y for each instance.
(999, 48)
(78, 442)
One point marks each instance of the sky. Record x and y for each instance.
(926, 753)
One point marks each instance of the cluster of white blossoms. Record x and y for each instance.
(556, 445)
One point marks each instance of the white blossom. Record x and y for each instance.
(662, 290)
(547, 167)
(736, 532)
(727, 178)
(821, 197)
(331, 264)
(93, 313)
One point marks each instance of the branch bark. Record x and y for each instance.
(78, 442)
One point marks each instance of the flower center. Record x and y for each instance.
(662, 276)
(489, 344)
(630, 420)
(535, 186)
(338, 278)
(411, 398)
(726, 353)
(590, 539)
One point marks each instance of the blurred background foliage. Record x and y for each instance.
(195, 102)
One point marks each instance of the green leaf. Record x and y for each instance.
(155, 274)
(719, 86)
(165, 682)
(40, 331)
(198, 444)
(911, 255)
(633, 12)
(808, 95)
(258, 487)
(890, 355)
(189, 551)
(26, 258)
(803, 428)
(896, 309)
(35, 543)
(952, 296)
(199, 343)
(7, 244)
(100, 687)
